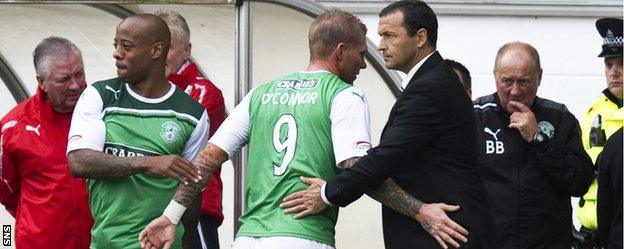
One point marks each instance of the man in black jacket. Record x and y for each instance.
(610, 192)
(429, 144)
(533, 160)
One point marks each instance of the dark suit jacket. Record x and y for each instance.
(429, 148)
(610, 192)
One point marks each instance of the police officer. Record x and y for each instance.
(602, 118)
(531, 154)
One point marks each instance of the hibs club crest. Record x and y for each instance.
(169, 132)
(547, 128)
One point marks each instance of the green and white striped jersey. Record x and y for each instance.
(112, 118)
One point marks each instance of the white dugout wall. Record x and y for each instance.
(568, 45)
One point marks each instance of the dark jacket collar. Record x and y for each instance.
(434, 59)
(612, 97)
(429, 63)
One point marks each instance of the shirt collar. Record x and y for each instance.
(411, 72)
(316, 71)
(186, 63)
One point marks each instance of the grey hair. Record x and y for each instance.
(48, 50)
(176, 22)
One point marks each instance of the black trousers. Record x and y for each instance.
(207, 236)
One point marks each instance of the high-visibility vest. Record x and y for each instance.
(601, 120)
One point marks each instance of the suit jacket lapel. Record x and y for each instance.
(433, 60)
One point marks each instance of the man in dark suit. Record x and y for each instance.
(610, 192)
(429, 144)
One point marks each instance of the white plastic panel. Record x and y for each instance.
(24, 25)
(6, 99)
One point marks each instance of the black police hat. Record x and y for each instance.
(611, 31)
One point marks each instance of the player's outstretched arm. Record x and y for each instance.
(209, 160)
(88, 163)
(161, 231)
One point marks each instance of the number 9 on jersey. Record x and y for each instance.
(287, 144)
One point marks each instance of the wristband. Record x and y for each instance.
(174, 211)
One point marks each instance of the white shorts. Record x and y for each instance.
(277, 242)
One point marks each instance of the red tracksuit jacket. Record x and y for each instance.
(50, 207)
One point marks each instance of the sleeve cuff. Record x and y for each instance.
(350, 154)
(541, 147)
(323, 195)
(222, 145)
(82, 145)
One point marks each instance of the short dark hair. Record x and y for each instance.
(464, 74)
(416, 15)
(154, 29)
(332, 28)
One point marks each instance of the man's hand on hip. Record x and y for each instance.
(305, 202)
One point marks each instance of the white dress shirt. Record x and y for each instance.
(411, 72)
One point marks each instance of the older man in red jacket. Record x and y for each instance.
(49, 205)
